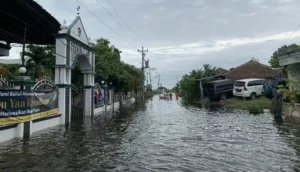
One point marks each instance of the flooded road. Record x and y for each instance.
(161, 136)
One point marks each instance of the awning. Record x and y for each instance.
(15, 15)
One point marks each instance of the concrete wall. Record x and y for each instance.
(291, 110)
(294, 73)
(17, 130)
(116, 106)
(42, 125)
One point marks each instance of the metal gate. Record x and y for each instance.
(44, 84)
(4, 84)
(77, 102)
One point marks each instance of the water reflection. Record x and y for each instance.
(162, 135)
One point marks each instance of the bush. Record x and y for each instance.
(251, 105)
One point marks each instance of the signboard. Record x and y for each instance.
(26, 105)
(101, 100)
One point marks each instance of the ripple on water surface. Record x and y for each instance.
(161, 136)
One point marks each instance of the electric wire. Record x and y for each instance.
(105, 24)
(138, 40)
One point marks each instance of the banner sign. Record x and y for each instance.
(26, 105)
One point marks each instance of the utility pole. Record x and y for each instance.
(158, 81)
(143, 74)
(147, 78)
(177, 85)
(149, 73)
(201, 89)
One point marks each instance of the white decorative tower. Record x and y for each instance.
(72, 47)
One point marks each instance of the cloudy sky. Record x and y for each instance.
(185, 34)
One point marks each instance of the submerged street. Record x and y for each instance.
(161, 136)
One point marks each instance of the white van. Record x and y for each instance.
(248, 88)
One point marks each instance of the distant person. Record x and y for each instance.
(177, 95)
(170, 96)
(96, 96)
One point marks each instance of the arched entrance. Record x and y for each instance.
(72, 47)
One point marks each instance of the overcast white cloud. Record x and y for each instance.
(184, 35)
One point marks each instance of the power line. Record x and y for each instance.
(116, 20)
(125, 22)
(105, 24)
(68, 47)
(54, 53)
(104, 8)
(110, 14)
(294, 31)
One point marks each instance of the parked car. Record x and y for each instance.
(273, 82)
(218, 90)
(248, 88)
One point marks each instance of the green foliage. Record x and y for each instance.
(189, 86)
(274, 62)
(41, 60)
(110, 68)
(12, 70)
(175, 89)
(293, 95)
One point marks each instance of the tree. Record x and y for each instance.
(110, 68)
(189, 86)
(41, 60)
(274, 62)
(11, 71)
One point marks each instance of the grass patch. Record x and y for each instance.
(250, 105)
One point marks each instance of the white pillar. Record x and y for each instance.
(88, 94)
(19, 130)
(88, 103)
(62, 80)
(109, 97)
(62, 105)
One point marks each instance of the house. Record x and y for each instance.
(251, 69)
(291, 58)
(221, 71)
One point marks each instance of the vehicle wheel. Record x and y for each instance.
(253, 96)
(223, 97)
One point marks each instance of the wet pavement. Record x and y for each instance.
(161, 135)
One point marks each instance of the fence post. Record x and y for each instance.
(113, 100)
(276, 108)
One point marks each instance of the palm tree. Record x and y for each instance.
(41, 60)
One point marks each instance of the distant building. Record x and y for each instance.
(221, 71)
(251, 69)
(291, 58)
(162, 89)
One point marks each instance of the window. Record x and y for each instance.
(255, 83)
(260, 82)
(251, 83)
(239, 84)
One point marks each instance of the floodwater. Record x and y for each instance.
(161, 135)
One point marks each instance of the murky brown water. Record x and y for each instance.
(162, 136)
